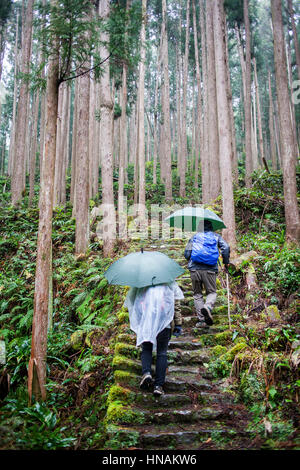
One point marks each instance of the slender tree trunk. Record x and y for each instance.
(141, 114)
(247, 98)
(286, 131)
(18, 174)
(204, 150)
(107, 116)
(224, 125)
(13, 126)
(82, 166)
(184, 150)
(259, 122)
(37, 363)
(213, 137)
(199, 119)
(271, 127)
(166, 106)
(178, 106)
(34, 148)
(295, 36)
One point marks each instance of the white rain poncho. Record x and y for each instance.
(151, 309)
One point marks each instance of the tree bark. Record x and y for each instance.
(271, 128)
(184, 151)
(247, 98)
(37, 363)
(13, 126)
(141, 114)
(166, 105)
(213, 137)
(82, 166)
(107, 117)
(199, 118)
(204, 147)
(285, 124)
(259, 121)
(224, 125)
(18, 174)
(295, 36)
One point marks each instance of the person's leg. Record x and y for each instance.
(146, 357)
(163, 339)
(209, 281)
(210, 284)
(198, 297)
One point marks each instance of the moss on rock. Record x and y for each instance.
(125, 378)
(118, 413)
(120, 394)
(127, 350)
(124, 363)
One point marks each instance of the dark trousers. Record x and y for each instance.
(162, 339)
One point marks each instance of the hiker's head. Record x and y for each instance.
(205, 226)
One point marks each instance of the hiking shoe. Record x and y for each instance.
(158, 391)
(146, 381)
(201, 324)
(207, 315)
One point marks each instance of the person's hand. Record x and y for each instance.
(226, 268)
(177, 330)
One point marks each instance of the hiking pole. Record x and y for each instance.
(228, 301)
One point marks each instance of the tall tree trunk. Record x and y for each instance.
(13, 126)
(213, 137)
(260, 132)
(18, 174)
(107, 117)
(166, 105)
(141, 114)
(295, 36)
(37, 363)
(204, 148)
(82, 165)
(34, 148)
(247, 98)
(199, 119)
(184, 150)
(271, 127)
(285, 124)
(224, 125)
(74, 145)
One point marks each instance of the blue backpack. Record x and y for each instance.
(205, 248)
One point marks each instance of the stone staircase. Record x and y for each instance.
(196, 411)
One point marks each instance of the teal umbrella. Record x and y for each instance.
(145, 268)
(189, 218)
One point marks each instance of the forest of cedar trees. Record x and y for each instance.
(114, 113)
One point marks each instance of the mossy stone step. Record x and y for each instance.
(173, 400)
(186, 383)
(186, 436)
(184, 415)
(188, 357)
(185, 342)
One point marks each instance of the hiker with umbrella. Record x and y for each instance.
(154, 312)
(202, 252)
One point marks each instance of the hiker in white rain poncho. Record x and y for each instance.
(154, 314)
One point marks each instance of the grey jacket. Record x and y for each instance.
(193, 266)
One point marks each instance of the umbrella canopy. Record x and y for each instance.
(145, 268)
(189, 218)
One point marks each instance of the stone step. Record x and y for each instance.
(173, 400)
(186, 383)
(188, 357)
(184, 436)
(190, 414)
(185, 342)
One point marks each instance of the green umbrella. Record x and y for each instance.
(189, 218)
(145, 268)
